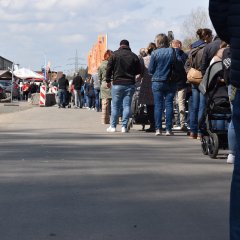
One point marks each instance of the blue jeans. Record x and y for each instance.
(231, 139)
(197, 109)
(62, 97)
(235, 187)
(163, 94)
(77, 98)
(97, 99)
(231, 132)
(121, 98)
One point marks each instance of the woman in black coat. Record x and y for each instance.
(225, 16)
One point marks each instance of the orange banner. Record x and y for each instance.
(96, 54)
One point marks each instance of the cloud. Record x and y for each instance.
(59, 27)
(75, 38)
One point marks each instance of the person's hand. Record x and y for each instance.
(109, 85)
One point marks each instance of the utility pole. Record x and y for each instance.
(76, 61)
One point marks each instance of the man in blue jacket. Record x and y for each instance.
(225, 16)
(163, 90)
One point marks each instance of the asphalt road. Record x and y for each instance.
(62, 176)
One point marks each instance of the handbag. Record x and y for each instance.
(194, 76)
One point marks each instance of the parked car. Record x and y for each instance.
(2, 93)
(7, 85)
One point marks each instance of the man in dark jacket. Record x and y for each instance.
(182, 83)
(62, 91)
(77, 84)
(123, 66)
(225, 15)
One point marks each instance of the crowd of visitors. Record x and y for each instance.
(168, 90)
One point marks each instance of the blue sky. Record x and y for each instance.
(34, 29)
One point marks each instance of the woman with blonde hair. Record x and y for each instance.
(105, 91)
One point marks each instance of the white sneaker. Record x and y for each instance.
(124, 130)
(231, 158)
(169, 133)
(158, 132)
(111, 129)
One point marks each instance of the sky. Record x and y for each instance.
(35, 31)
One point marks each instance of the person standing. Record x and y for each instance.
(77, 85)
(96, 85)
(161, 62)
(181, 84)
(145, 94)
(195, 60)
(123, 65)
(62, 91)
(224, 15)
(105, 91)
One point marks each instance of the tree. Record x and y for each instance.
(198, 18)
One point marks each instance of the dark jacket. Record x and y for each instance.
(195, 55)
(123, 65)
(225, 15)
(182, 83)
(77, 82)
(209, 52)
(63, 83)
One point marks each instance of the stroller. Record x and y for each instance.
(139, 111)
(218, 110)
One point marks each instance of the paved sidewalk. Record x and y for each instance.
(62, 176)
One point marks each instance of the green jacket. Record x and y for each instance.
(104, 90)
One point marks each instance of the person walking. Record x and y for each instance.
(62, 91)
(105, 91)
(224, 15)
(123, 65)
(77, 85)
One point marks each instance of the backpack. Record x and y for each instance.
(176, 69)
(194, 58)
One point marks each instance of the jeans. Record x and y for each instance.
(121, 98)
(62, 97)
(231, 132)
(231, 139)
(163, 94)
(97, 99)
(77, 98)
(197, 109)
(235, 186)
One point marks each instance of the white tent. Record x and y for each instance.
(25, 73)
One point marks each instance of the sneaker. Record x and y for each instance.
(184, 128)
(150, 130)
(111, 129)
(177, 128)
(231, 158)
(158, 132)
(169, 133)
(124, 130)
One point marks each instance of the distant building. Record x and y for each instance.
(5, 64)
